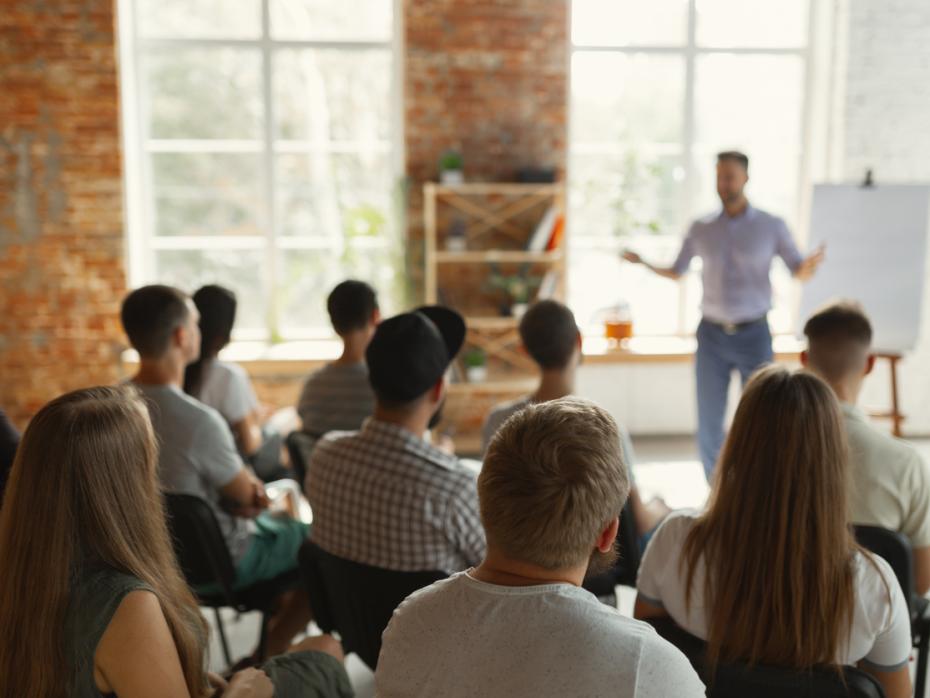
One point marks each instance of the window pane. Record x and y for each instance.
(207, 193)
(627, 193)
(324, 95)
(334, 195)
(619, 98)
(204, 93)
(234, 269)
(307, 277)
(328, 19)
(241, 19)
(626, 22)
(752, 23)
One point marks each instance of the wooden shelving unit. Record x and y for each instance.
(498, 221)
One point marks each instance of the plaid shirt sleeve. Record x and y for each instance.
(464, 527)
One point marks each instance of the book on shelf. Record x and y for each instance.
(543, 231)
(548, 285)
(558, 231)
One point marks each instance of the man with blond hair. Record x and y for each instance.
(550, 490)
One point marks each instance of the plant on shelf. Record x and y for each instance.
(451, 168)
(517, 289)
(476, 365)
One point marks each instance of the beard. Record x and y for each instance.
(599, 562)
(437, 415)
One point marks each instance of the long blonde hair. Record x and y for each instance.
(83, 491)
(775, 539)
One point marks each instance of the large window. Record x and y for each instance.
(657, 88)
(262, 152)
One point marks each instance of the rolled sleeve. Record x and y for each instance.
(685, 254)
(916, 523)
(217, 458)
(786, 248)
(892, 646)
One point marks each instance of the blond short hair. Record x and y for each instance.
(553, 478)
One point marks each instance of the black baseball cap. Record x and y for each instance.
(409, 352)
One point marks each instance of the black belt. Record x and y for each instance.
(734, 327)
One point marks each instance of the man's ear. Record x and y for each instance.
(870, 363)
(579, 340)
(179, 336)
(439, 387)
(375, 316)
(605, 541)
(805, 359)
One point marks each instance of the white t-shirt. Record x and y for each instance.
(226, 388)
(463, 637)
(880, 633)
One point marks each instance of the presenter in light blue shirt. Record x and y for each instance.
(737, 246)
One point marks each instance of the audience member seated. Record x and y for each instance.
(198, 456)
(770, 573)
(226, 387)
(90, 583)
(519, 624)
(384, 496)
(9, 440)
(552, 339)
(338, 397)
(889, 483)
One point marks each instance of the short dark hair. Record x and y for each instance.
(549, 333)
(839, 336)
(734, 156)
(150, 315)
(351, 305)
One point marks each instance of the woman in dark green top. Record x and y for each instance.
(91, 599)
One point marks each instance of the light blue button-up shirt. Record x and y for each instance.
(737, 256)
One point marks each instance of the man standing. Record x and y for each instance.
(736, 247)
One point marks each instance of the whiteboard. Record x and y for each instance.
(876, 241)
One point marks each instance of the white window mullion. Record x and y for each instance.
(687, 148)
(270, 257)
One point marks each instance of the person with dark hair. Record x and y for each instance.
(769, 573)
(338, 397)
(552, 339)
(198, 455)
(736, 247)
(889, 482)
(9, 440)
(384, 495)
(104, 609)
(225, 386)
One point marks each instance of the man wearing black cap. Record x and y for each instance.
(384, 496)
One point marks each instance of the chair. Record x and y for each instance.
(204, 559)
(738, 680)
(896, 550)
(356, 600)
(300, 447)
(627, 566)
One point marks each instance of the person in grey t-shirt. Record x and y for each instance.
(197, 455)
(338, 397)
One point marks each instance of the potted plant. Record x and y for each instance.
(451, 168)
(517, 289)
(476, 365)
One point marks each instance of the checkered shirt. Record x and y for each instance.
(384, 497)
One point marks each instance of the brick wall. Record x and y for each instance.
(489, 79)
(887, 112)
(61, 239)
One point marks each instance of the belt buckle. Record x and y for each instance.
(730, 328)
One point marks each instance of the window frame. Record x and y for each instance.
(690, 51)
(143, 242)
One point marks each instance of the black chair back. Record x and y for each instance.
(627, 566)
(738, 680)
(356, 600)
(895, 549)
(299, 447)
(199, 544)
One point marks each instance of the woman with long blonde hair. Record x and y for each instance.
(91, 599)
(770, 572)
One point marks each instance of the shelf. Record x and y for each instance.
(503, 322)
(506, 387)
(493, 188)
(491, 256)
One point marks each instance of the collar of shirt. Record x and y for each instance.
(747, 215)
(396, 437)
(853, 412)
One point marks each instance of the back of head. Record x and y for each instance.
(351, 306)
(775, 538)
(549, 334)
(217, 308)
(83, 492)
(552, 479)
(150, 315)
(839, 337)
